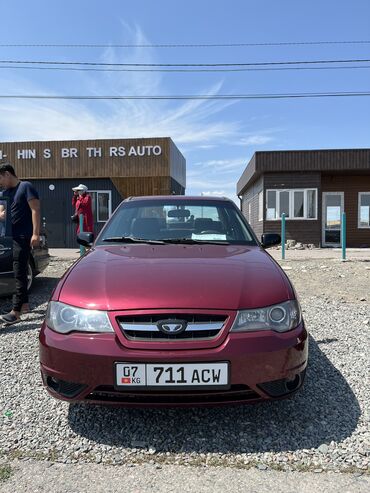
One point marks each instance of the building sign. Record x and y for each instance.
(133, 158)
(91, 152)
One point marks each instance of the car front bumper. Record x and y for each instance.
(263, 365)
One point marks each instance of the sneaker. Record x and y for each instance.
(10, 319)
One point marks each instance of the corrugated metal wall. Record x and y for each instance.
(251, 196)
(338, 161)
(56, 207)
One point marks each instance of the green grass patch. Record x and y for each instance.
(5, 472)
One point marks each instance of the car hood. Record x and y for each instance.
(142, 276)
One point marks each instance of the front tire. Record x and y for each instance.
(30, 276)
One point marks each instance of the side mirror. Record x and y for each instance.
(270, 239)
(85, 239)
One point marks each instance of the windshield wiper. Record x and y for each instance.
(190, 241)
(187, 241)
(130, 239)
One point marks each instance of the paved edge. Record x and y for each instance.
(31, 476)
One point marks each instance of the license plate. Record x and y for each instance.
(179, 375)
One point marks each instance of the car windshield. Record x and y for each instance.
(177, 221)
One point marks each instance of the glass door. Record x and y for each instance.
(101, 201)
(332, 208)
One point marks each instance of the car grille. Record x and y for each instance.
(144, 327)
(236, 393)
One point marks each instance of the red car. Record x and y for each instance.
(176, 303)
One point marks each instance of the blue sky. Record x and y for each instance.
(217, 138)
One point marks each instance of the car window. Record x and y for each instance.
(174, 219)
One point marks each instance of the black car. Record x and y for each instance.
(39, 259)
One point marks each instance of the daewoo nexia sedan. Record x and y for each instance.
(176, 303)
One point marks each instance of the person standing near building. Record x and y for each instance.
(81, 201)
(25, 218)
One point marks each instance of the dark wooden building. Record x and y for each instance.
(111, 169)
(312, 188)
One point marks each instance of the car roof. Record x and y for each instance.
(180, 198)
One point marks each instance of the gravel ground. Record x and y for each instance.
(328, 276)
(323, 428)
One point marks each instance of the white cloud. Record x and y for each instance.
(217, 193)
(199, 182)
(72, 121)
(66, 120)
(194, 125)
(206, 183)
(223, 165)
(258, 137)
(189, 123)
(256, 140)
(221, 193)
(206, 146)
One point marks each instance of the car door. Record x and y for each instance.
(7, 281)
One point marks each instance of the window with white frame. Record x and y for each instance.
(101, 205)
(271, 205)
(364, 210)
(249, 211)
(260, 206)
(298, 203)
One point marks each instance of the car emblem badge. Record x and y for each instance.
(172, 326)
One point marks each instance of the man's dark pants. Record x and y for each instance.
(21, 256)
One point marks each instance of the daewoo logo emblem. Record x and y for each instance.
(172, 326)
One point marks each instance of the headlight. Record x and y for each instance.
(66, 318)
(281, 318)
